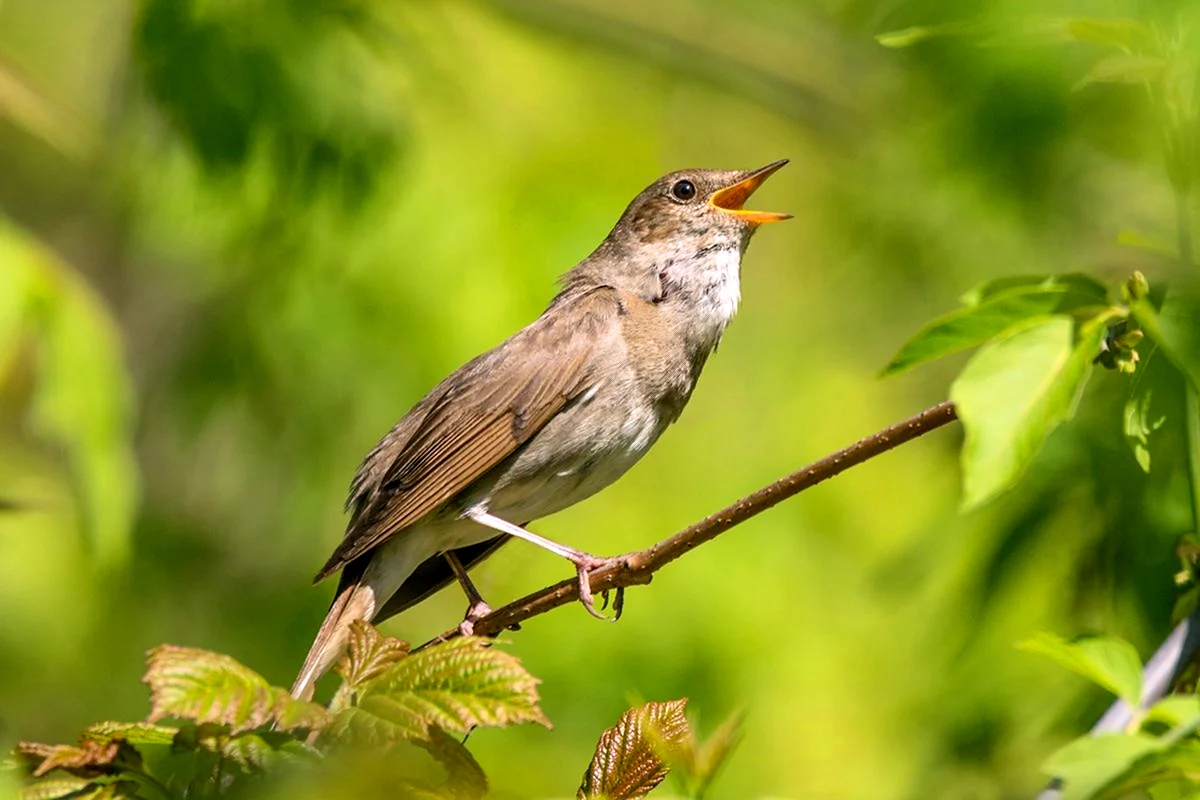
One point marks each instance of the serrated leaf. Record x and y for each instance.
(991, 311)
(464, 777)
(457, 685)
(369, 654)
(1088, 765)
(1013, 393)
(627, 763)
(88, 759)
(1139, 424)
(1105, 660)
(54, 788)
(262, 751)
(1124, 68)
(206, 687)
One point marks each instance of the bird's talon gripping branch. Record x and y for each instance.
(476, 612)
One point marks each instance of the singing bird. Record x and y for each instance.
(552, 415)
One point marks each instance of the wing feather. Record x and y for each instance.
(473, 421)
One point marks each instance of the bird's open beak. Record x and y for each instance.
(732, 198)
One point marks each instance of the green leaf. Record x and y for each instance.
(1013, 393)
(136, 733)
(699, 764)
(629, 762)
(369, 654)
(1089, 764)
(206, 687)
(1139, 425)
(1105, 660)
(1074, 282)
(1175, 710)
(82, 392)
(456, 685)
(1124, 68)
(54, 788)
(1175, 328)
(464, 777)
(992, 311)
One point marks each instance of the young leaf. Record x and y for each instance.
(1139, 425)
(990, 313)
(86, 760)
(464, 777)
(206, 687)
(1174, 328)
(457, 685)
(1077, 283)
(369, 654)
(1013, 393)
(1175, 710)
(627, 764)
(1104, 660)
(1089, 764)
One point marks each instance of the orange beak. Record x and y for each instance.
(732, 198)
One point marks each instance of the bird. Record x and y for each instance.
(549, 417)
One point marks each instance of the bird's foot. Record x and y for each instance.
(583, 566)
(476, 612)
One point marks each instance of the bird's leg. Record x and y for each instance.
(478, 608)
(584, 562)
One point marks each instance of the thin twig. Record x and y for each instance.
(639, 567)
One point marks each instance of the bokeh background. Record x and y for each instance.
(239, 239)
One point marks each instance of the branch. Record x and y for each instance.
(639, 567)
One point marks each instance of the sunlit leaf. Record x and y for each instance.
(456, 685)
(135, 733)
(369, 654)
(627, 763)
(206, 687)
(699, 763)
(1175, 328)
(1089, 764)
(990, 312)
(1139, 424)
(1013, 393)
(1175, 709)
(1076, 283)
(1105, 660)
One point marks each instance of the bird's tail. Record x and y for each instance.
(362, 591)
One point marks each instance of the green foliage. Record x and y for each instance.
(1107, 661)
(234, 727)
(81, 399)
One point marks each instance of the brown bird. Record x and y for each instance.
(552, 415)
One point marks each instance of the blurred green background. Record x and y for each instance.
(239, 238)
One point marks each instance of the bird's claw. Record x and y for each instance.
(585, 590)
(476, 612)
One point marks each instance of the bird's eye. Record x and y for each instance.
(683, 190)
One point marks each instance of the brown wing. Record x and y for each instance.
(475, 419)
